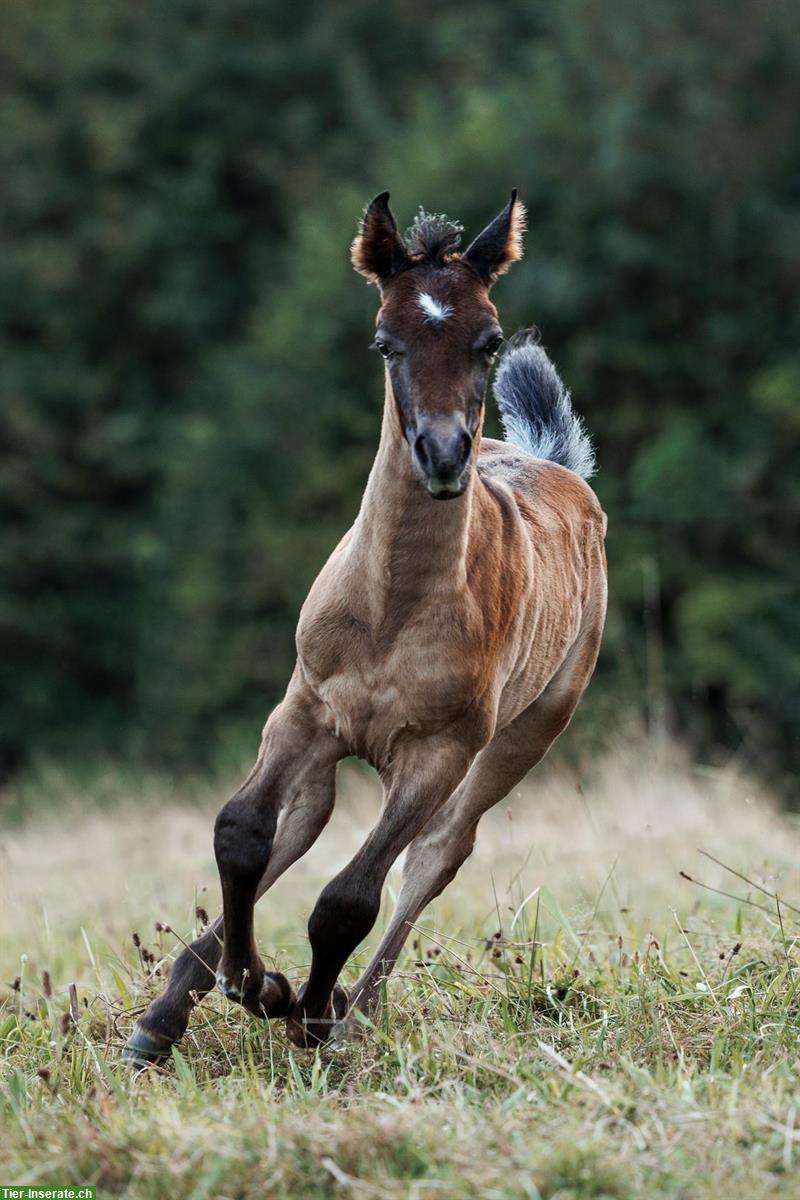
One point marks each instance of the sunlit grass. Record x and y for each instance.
(571, 1019)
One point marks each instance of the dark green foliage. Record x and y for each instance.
(188, 412)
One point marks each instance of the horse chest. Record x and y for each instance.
(378, 684)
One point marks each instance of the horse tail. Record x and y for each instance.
(536, 409)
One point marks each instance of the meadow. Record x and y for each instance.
(572, 1018)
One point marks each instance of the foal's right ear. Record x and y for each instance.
(378, 250)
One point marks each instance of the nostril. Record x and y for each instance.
(466, 446)
(422, 452)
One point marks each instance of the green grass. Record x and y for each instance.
(572, 1019)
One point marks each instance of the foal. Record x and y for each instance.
(447, 640)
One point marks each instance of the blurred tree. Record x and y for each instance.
(188, 412)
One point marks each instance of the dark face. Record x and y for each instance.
(438, 332)
(437, 329)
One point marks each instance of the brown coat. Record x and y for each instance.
(447, 641)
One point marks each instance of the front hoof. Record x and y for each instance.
(145, 1048)
(273, 997)
(307, 1032)
(230, 990)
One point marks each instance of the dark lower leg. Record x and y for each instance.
(293, 752)
(194, 973)
(193, 976)
(242, 844)
(342, 918)
(165, 1021)
(348, 907)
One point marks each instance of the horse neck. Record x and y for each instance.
(405, 543)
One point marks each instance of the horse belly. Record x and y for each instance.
(543, 641)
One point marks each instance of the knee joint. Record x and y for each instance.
(243, 838)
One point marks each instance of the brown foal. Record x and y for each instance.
(447, 640)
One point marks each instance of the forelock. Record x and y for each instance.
(432, 237)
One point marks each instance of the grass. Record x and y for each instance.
(572, 1019)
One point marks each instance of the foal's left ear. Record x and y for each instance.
(500, 244)
(378, 251)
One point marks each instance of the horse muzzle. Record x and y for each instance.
(442, 457)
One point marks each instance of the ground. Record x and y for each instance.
(572, 1019)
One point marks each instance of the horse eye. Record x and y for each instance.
(383, 348)
(493, 345)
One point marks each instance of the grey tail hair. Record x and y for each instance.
(536, 410)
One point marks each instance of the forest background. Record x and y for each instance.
(188, 411)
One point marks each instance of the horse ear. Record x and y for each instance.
(500, 243)
(378, 250)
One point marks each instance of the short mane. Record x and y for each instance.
(432, 236)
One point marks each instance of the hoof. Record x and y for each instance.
(145, 1048)
(307, 1032)
(273, 998)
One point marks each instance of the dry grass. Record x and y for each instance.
(572, 1018)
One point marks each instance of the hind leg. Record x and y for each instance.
(435, 856)
(283, 806)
